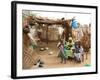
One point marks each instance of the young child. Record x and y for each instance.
(61, 52)
(78, 52)
(82, 53)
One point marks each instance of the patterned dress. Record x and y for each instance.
(68, 49)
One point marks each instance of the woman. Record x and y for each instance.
(68, 47)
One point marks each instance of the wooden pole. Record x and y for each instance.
(47, 34)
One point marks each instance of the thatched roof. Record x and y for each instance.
(45, 20)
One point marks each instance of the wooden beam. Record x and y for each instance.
(48, 22)
(47, 34)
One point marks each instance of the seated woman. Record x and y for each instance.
(68, 48)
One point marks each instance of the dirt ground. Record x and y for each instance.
(52, 61)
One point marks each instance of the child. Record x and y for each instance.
(78, 51)
(82, 54)
(61, 52)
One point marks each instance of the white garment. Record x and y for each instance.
(31, 37)
(81, 50)
(32, 30)
(58, 44)
(78, 56)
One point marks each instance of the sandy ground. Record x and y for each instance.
(52, 61)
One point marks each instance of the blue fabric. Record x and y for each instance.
(74, 24)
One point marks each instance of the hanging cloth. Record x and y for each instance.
(74, 24)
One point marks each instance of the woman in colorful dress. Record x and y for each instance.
(69, 47)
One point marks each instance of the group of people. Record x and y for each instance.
(70, 49)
